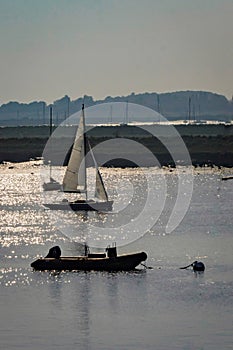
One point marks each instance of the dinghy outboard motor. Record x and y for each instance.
(54, 252)
(111, 252)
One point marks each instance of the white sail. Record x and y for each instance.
(75, 176)
(100, 191)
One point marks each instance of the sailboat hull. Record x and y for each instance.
(52, 186)
(82, 205)
(125, 262)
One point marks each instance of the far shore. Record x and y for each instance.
(212, 150)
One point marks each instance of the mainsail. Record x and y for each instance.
(75, 176)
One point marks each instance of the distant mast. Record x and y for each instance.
(111, 114)
(50, 120)
(43, 112)
(158, 104)
(189, 115)
(158, 107)
(126, 113)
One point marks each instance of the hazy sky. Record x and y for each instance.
(50, 48)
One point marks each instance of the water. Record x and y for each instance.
(159, 308)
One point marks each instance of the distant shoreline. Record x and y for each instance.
(212, 150)
(207, 144)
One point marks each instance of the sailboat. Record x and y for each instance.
(52, 185)
(75, 179)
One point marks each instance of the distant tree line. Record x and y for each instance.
(181, 105)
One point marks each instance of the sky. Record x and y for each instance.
(52, 48)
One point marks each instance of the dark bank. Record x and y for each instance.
(207, 144)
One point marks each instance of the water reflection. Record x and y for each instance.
(82, 304)
(55, 281)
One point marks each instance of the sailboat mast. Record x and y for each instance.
(50, 133)
(50, 121)
(189, 109)
(85, 149)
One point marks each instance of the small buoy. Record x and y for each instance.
(198, 266)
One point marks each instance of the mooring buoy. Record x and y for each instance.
(196, 265)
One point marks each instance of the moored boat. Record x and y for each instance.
(225, 178)
(108, 261)
(52, 185)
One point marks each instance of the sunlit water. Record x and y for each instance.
(160, 308)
